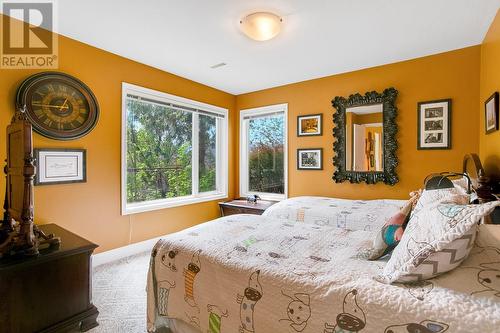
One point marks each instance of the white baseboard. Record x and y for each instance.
(123, 252)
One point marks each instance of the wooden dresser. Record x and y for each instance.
(241, 206)
(494, 217)
(51, 292)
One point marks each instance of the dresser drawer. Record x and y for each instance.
(495, 216)
(228, 210)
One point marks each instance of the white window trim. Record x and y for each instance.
(244, 151)
(222, 161)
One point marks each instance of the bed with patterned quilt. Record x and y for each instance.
(298, 270)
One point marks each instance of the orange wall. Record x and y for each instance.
(452, 75)
(489, 144)
(92, 209)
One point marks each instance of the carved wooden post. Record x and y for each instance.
(26, 232)
(26, 227)
(7, 219)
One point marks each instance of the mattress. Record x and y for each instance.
(366, 215)
(248, 273)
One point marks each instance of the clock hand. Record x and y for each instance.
(51, 106)
(47, 105)
(63, 105)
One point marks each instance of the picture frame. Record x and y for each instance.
(310, 159)
(434, 124)
(491, 113)
(60, 166)
(310, 125)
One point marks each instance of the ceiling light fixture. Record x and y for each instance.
(261, 26)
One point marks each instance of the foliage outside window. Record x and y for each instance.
(265, 155)
(174, 152)
(263, 152)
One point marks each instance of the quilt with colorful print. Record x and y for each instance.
(255, 274)
(369, 215)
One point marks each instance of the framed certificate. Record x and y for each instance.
(60, 166)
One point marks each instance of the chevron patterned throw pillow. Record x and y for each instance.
(437, 239)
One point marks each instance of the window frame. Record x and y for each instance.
(243, 169)
(222, 161)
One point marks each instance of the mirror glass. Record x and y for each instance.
(364, 138)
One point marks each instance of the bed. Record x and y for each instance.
(302, 268)
(273, 276)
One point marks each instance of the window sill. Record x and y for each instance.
(147, 206)
(266, 196)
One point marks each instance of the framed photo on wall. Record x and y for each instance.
(310, 125)
(310, 159)
(60, 166)
(434, 124)
(491, 113)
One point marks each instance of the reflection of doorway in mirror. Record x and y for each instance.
(373, 147)
(358, 153)
(364, 138)
(367, 147)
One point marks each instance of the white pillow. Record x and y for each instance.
(430, 198)
(437, 239)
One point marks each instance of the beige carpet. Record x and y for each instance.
(119, 292)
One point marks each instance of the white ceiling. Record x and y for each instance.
(366, 109)
(319, 37)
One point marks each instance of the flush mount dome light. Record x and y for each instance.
(261, 26)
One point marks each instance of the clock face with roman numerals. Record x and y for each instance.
(58, 105)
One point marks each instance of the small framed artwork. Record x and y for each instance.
(309, 125)
(434, 124)
(491, 113)
(60, 166)
(310, 159)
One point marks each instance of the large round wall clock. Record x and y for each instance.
(58, 105)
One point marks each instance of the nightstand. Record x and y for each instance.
(241, 206)
(495, 216)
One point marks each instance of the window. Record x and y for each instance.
(263, 152)
(174, 150)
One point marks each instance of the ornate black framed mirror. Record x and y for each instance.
(365, 143)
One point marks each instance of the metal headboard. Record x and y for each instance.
(442, 180)
(472, 171)
(473, 168)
